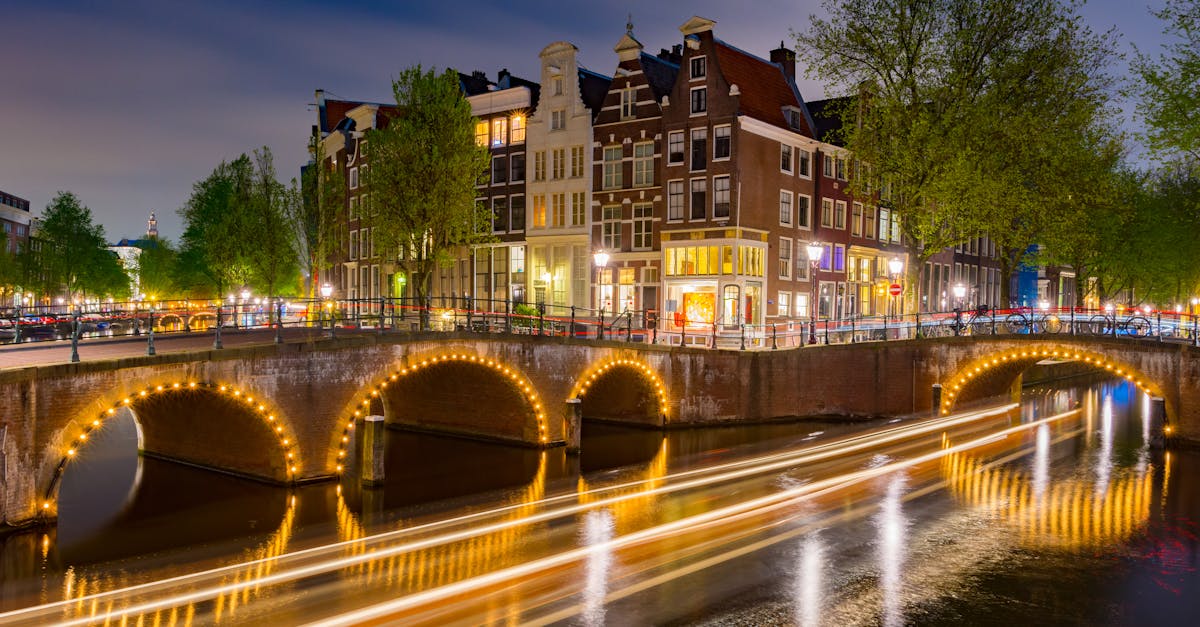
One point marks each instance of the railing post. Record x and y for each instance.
(541, 318)
(885, 318)
(917, 315)
(743, 337)
(572, 331)
(382, 308)
(507, 316)
(187, 320)
(654, 331)
(827, 331)
(1195, 329)
(217, 340)
(1072, 322)
(150, 336)
(851, 329)
(467, 300)
(600, 331)
(1158, 321)
(774, 336)
(75, 327)
(713, 343)
(17, 326)
(628, 326)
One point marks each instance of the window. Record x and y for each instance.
(516, 213)
(839, 216)
(518, 167)
(558, 85)
(826, 213)
(793, 118)
(828, 169)
(785, 259)
(354, 245)
(518, 129)
(699, 199)
(841, 169)
(826, 257)
(558, 210)
(785, 303)
(499, 132)
(785, 158)
(612, 167)
(804, 159)
(354, 207)
(699, 143)
(643, 221)
(365, 207)
(481, 133)
(885, 216)
(869, 223)
(720, 142)
(803, 211)
(698, 67)
(576, 161)
(720, 196)
(839, 258)
(675, 147)
(499, 170)
(578, 209)
(785, 208)
(801, 305)
(643, 164)
(539, 211)
(353, 178)
(539, 165)
(611, 227)
(499, 213)
(628, 102)
(699, 100)
(895, 228)
(856, 220)
(675, 200)
(558, 119)
(558, 163)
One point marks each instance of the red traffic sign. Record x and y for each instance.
(895, 289)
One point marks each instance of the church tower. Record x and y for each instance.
(152, 227)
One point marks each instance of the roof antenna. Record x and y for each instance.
(629, 26)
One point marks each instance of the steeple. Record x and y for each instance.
(151, 227)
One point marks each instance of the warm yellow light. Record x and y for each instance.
(70, 452)
(279, 429)
(286, 441)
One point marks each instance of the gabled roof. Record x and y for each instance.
(660, 75)
(765, 88)
(827, 116)
(593, 87)
(474, 83)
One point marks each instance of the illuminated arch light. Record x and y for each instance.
(72, 449)
(1099, 361)
(523, 385)
(660, 390)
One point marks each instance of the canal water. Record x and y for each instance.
(1091, 527)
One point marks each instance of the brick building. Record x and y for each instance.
(15, 216)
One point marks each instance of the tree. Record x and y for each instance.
(272, 257)
(317, 213)
(1169, 92)
(74, 255)
(424, 168)
(156, 268)
(945, 87)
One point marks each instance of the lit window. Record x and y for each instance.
(558, 166)
(539, 165)
(785, 261)
(578, 209)
(481, 133)
(558, 210)
(539, 211)
(518, 129)
(499, 132)
(576, 161)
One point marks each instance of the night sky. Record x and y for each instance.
(127, 104)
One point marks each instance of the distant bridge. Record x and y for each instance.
(289, 412)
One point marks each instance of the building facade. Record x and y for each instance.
(17, 221)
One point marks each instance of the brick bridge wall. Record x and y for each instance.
(282, 413)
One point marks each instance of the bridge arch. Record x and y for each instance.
(436, 383)
(622, 390)
(999, 370)
(260, 427)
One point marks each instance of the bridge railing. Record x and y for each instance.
(107, 319)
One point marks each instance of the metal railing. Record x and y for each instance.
(464, 314)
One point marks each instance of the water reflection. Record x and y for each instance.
(810, 580)
(597, 532)
(892, 528)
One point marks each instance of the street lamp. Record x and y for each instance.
(960, 291)
(601, 259)
(815, 250)
(245, 303)
(326, 292)
(895, 267)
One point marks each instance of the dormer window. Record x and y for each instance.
(792, 115)
(698, 67)
(628, 102)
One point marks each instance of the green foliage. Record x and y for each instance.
(422, 177)
(962, 105)
(73, 255)
(236, 230)
(156, 269)
(318, 212)
(1169, 92)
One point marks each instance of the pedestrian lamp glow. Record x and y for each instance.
(1108, 308)
(960, 290)
(326, 290)
(896, 266)
(1043, 304)
(601, 258)
(245, 294)
(815, 251)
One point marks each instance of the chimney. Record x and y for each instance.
(502, 78)
(787, 58)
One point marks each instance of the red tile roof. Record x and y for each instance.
(764, 88)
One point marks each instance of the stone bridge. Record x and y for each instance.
(288, 412)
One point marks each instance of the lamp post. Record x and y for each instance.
(245, 304)
(895, 267)
(601, 259)
(217, 337)
(326, 292)
(17, 323)
(814, 250)
(960, 291)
